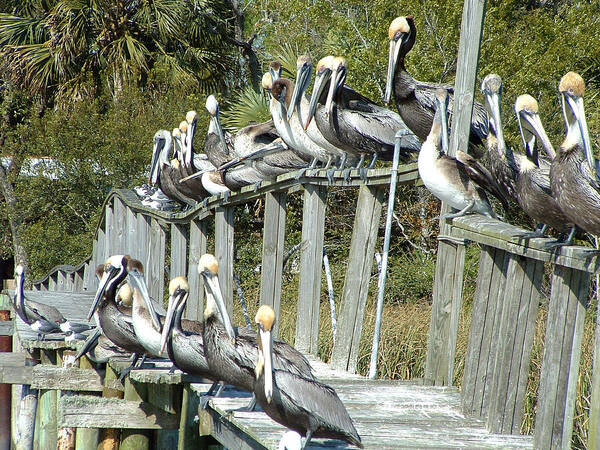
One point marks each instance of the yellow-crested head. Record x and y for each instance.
(135, 264)
(266, 317)
(208, 262)
(492, 83)
(267, 81)
(125, 294)
(183, 126)
(398, 25)
(327, 62)
(212, 105)
(176, 133)
(303, 59)
(191, 116)
(572, 83)
(180, 283)
(339, 61)
(526, 103)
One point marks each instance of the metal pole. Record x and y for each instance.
(384, 259)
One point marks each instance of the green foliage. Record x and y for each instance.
(248, 107)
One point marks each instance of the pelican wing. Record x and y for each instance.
(480, 175)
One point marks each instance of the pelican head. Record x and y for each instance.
(303, 76)
(265, 318)
(267, 81)
(183, 126)
(191, 117)
(160, 153)
(19, 271)
(208, 267)
(338, 78)
(125, 295)
(572, 89)
(402, 33)
(275, 70)
(491, 87)
(113, 272)
(212, 105)
(178, 294)
(135, 272)
(530, 127)
(441, 116)
(324, 72)
(282, 92)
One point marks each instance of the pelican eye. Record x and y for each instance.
(108, 267)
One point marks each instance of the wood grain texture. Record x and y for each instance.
(179, 246)
(155, 269)
(594, 423)
(195, 303)
(224, 242)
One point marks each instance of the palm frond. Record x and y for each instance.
(249, 107)
(21, 30)
(287, 55)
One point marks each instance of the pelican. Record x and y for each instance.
(41, 318)
(533, 190)
(572, 178)
(99, 348)
(353, 122)
(191, 162)
(305, 405)
(461, 181)
(163, 172)
(232, 354)
(416, 99)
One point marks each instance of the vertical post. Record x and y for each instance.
(132, 439)
(178, 250)
(594, 431)
(5, 346)
(110, 436)
(560, 364)
(45, 426)
(142, 249)
(168, 398)
(188, 430)
(66, 436)
(61, 280)
(131, 242)
(101, 254)
(358, 275)
(109, 229)
(155, 273)
(273, 252)
(309, 291)
(224, 252)
(86, 437)
(198, 238)
(119, 227)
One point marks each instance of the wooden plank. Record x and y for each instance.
(224, 252)
(73, 379)
(87, 411)
(188, 429)
(78, 279)
(61, 280)
(7, 328)
(447, 300)
(517, 328)
(119, 227)
(358, 274)
(273, 253)
(135, 396)
(198, 238)
(52, 282)
(226, 432)
(309, 289)
(179, 244)
(142, 236)
(86, 437)
(560, 365)
(101, 254)
(109, 437)
(155, 273)
(109, 230)
(166, 398)
(131, 234)
(46, 431)
(594, 422)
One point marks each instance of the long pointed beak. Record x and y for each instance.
(578, 109)
(104, 282)
(273, 147)
(137, 282)
(194, 175)
(212, 282)
(320, 83)
(302, 81)
(333, 87)
(91, 340)
(536, 124)
(444, 121)
(191, 135)
(266, 343)
(528, 144)
(19, 294)
(168, 325)
(154, 166)
(392, 61)
(217, 124)
(494, 102)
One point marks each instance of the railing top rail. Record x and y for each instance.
(66, 268)
(498, 234)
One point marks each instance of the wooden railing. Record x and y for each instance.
(505, 308)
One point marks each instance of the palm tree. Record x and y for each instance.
(72, 48)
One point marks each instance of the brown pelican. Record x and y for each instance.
(99, 348)
(231, 354)
(305, 405)
(572, 178)
(534, 194)
(461, 181)
(351, 121)
(163, 172)
(41, 318)
(191, 162)
(416, 99)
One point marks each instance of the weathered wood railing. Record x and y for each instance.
(505, 306)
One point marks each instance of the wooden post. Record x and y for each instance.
(61, 280)
(560, 365)
(143, 235)
(445, 310)
(224, 252)
(28, 406)
(168, 398)
(132, 439)
(65, 436)
(515, 341)
(188, 429)
(45, 426)
(273, 252)
(52, 282)
(155, 273)
(101, 253)
(86, 437)
(120, 227)
(109, 230)
(5, 419)
(178, 250)
(131, 242)
(594, 430)
(358, 275)
(195, 303)
(483, 333)
(110, 436)
(309, 290)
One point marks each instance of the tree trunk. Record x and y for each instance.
(252, 69)
(14, 218)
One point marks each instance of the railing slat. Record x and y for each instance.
(224, 252)
(109, 226)
(273, 252)
(179, 246)
(358, 275)
(195, 303)
(156, 264)
(131, 225)
(309, 290)
(594, 431)
(120, 227)
(140, 250)
(560, 365)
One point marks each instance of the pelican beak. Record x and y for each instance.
(212, 282)
(159, 144)
(217, 126)
(529, 141)
(442, 109)
(338, 78)
(273, 147)
(395, 46)
(320, 83)
(266, 340)
(169, 319)
(137, 282)
(19, 298)
(105, 281)
(192, 176)
(302, 82)
(493, 101)
(576, 105)
(190, 137)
